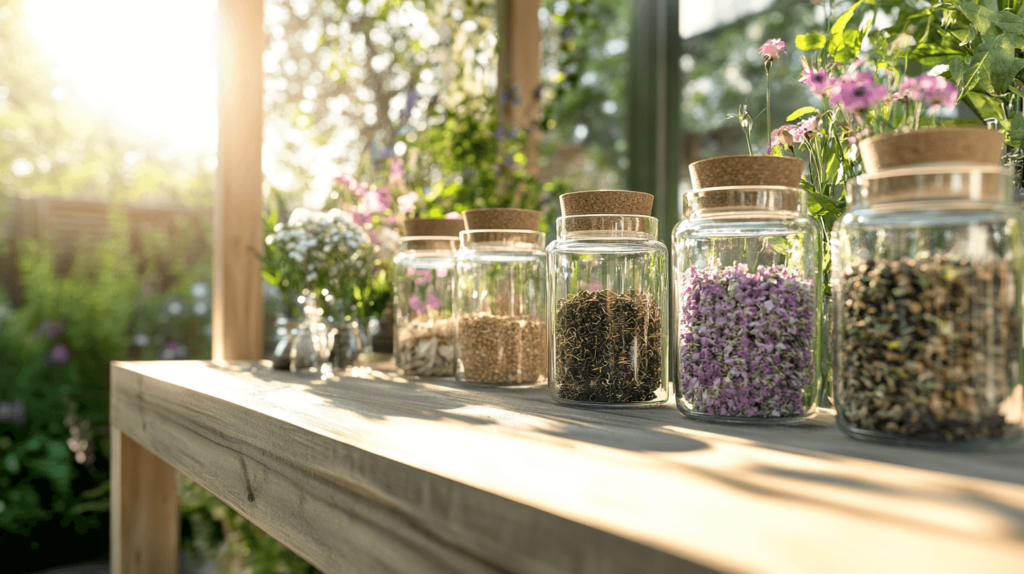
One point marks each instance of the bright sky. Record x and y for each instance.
(150, 62)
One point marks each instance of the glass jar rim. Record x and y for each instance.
(429, 243)
(745, 202)
(964, 185)
(607, 226)
(498, 239)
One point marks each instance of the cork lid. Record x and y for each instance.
(929, 146)
(502, 218)
(426, 227)
(749, 170)
(607, 202)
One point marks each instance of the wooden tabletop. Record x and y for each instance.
(373, 472)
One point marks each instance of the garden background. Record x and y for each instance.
(105, 241)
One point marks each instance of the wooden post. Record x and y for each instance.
(238, 206)
(145, 524)
(519, 70)
(653, 97)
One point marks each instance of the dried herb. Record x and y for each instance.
(427, 348)
(930, 346)
(502, 349)
(608, 347)
(746, 341)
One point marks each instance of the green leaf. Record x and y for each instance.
(1016, 131)
(811, 41)
(985, 19)
(841, 41)
(801, 112)
(997, 61)
(823, 205)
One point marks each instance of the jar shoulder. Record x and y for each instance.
(716, 227)
(611, 246)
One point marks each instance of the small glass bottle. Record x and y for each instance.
(926, 281)
(608, 276)
(500, 297)
(746, 266)
(423, 287)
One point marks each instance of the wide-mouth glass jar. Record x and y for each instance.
(424, 328)
(926, 284)
(500, 296)
(746, 265)
(608, 276)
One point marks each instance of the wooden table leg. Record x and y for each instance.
(145, 521)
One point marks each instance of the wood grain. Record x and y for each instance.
(145, 525)
(379, 473)
(237, 314)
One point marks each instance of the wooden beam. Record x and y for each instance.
(653, 100)
(145, 524)
(238, 206)
(519, 71)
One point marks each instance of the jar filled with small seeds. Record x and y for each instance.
(608, 276)
(423, 287)
(746, 265)
(500, 293)
(926, 282)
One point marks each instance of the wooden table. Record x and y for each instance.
(375, 473)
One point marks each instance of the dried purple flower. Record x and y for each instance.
(746, 341)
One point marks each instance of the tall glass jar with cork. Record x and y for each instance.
(747, 285)
(926, 281)
(500, 296)
(608, 304)
(424, 284)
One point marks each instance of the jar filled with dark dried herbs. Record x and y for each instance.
(608, 276)
(927, 308)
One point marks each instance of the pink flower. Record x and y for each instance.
(936, 91)
(453, 215)
(59, 354)
(433, 302)
(817, 80)
(416, 305)
(858, 91)
(808, 126)
(770, 49)
(375, 201)
(407, 202)
(787, 136)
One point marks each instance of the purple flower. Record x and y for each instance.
(817, 80)
(746, 341)
(770, 49)
(50, 328)
(416, 304)
(58, 354)
(858, 91)
(433, 303)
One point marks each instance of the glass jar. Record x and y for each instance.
(424, 327)
(500, 299)
(609, 292)
(926, 284)
(746, 264)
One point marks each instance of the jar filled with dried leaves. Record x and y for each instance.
(608, 276)
(746, 270)
(423, 288)
(500, 299)
(926, 282)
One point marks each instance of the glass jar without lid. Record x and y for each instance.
(499, 308)
(423, 289)
(746, 268)
(927, 308)
(609, 291)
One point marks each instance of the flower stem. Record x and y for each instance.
(768, 101)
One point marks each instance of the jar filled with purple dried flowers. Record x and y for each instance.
(608, 308)
(746, 266)
(926, 284)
